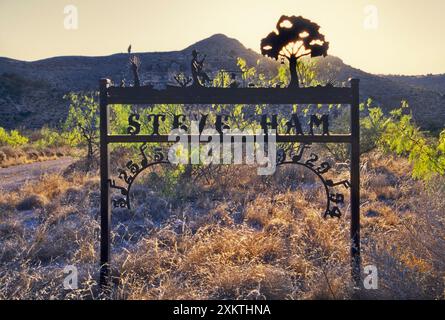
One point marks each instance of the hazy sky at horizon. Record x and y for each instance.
(405, 37)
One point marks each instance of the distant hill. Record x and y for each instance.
(427, 102)
(31, 92)
(429, 82)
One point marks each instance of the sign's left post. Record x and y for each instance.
(105, 209)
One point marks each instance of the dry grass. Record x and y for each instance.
(10, 156)
(233, 235)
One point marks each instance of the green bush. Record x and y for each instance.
(397, 133)
(402, 136)
(13, 138)
(54, 138)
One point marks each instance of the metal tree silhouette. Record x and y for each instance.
(294, 38)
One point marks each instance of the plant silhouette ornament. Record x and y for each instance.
(200, 78)
(294, 38)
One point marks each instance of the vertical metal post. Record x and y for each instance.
(355, 183)
(105, 210)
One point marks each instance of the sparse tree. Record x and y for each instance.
(83, 119)
(294, 38)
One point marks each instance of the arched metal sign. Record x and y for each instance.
(196, 94)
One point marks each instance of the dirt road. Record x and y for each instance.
(14, 177)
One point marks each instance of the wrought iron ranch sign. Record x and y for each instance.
(294, 38)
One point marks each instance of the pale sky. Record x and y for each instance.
(401, 37)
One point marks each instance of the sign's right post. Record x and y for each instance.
(355, 183)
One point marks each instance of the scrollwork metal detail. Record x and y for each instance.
(333, 199)
(131, 171)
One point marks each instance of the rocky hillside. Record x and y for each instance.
(29, 103)
(27, 88)
(432, 82)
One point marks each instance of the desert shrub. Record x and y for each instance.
(426, 154)
(340, 124)
(32, 155)
(12, 138)
(48, 152)
(53, 138)
(372, 126)
(50, 185)
(34, 201)
(395, 133)
(10, 152)
(398, 133)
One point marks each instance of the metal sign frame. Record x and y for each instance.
(196, 95)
